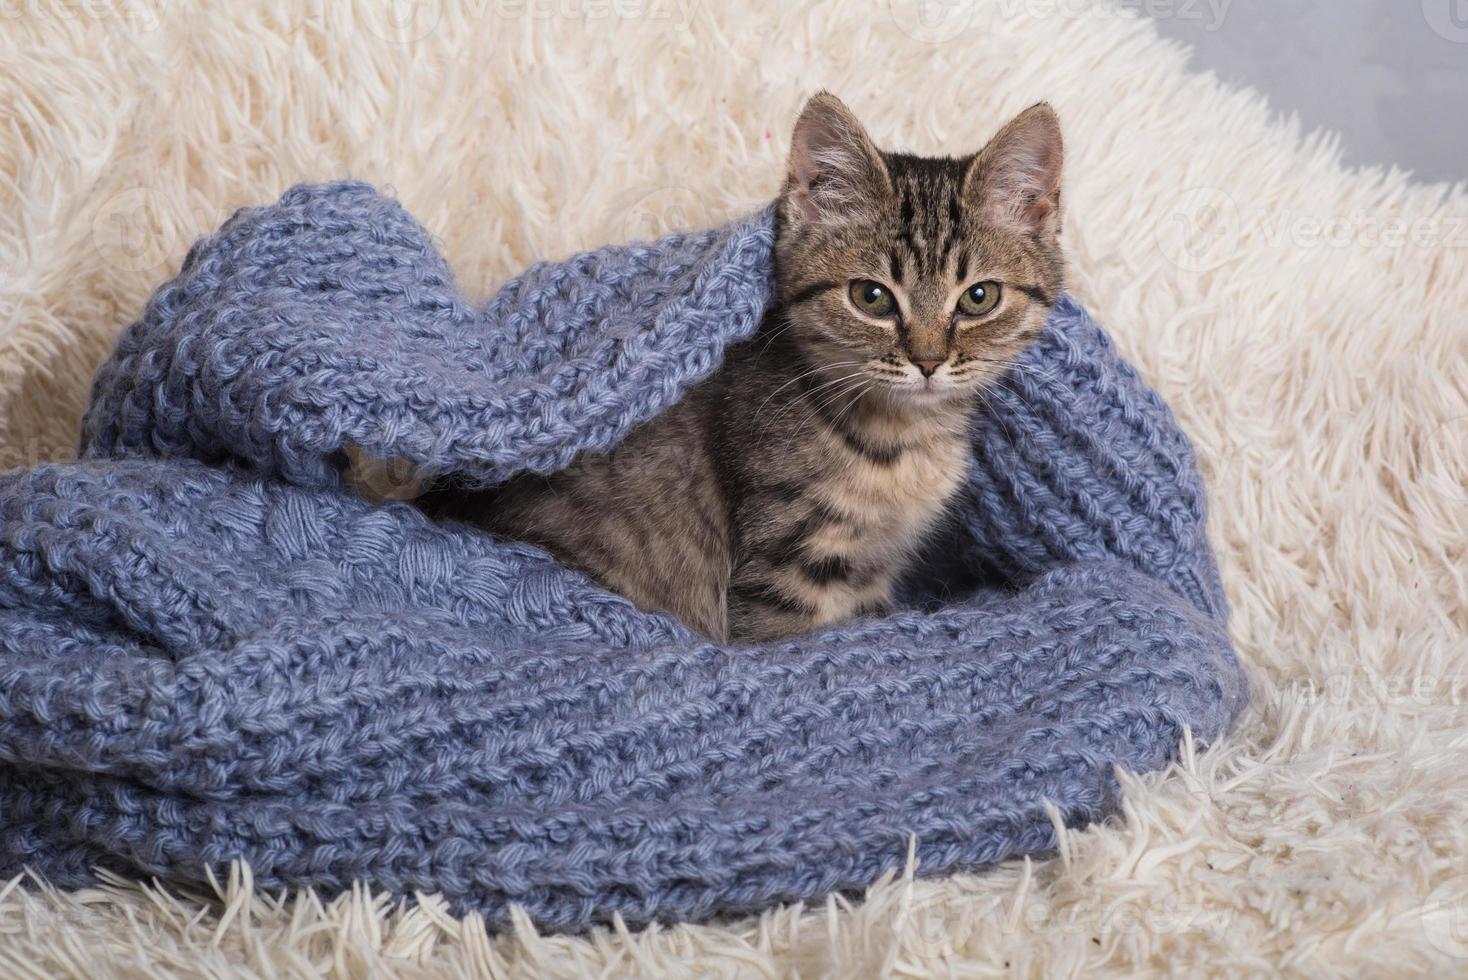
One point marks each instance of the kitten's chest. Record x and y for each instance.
(888, 506)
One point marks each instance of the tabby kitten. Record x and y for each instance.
(792, 488)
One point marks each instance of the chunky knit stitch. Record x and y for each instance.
(211, 649)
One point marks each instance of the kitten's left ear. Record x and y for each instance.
(1015, 180)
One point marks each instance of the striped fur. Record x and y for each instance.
(794, 487)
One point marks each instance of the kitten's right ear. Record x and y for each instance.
(836, 173)
(1015, 180)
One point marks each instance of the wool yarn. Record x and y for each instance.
(211, 648)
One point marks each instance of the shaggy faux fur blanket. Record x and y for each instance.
(213, 648)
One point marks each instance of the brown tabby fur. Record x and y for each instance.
(792, 488)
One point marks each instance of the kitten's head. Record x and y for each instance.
(919, 278)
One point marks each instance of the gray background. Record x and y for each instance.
(1391, 76)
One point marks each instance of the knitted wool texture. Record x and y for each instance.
(210, 648)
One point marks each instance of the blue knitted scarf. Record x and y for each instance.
(211, 648)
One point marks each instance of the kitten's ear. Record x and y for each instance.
(1015, 180)
(836, 173)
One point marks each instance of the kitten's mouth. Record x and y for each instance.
(925, 392)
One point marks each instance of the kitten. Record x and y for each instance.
(792, 488)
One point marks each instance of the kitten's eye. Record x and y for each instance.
(978, 299)
(872, 298)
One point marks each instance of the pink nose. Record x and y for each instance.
(927, 365)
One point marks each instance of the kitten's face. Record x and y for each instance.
(911, 278)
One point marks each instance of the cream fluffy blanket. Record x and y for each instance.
(1307, 324)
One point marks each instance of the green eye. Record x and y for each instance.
(980, 298)
(872, 298)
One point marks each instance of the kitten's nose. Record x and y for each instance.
(928, 365)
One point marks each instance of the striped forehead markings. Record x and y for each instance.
(931, 225)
